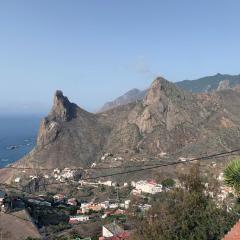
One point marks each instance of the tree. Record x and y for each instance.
(232, 175)
(186, 213)
(168, 183)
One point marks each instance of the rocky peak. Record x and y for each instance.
(161, 90)
(224, 84)
(63, 109)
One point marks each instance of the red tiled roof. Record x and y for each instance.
(152, 181)
(234, 233)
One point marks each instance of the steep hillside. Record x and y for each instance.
(68, 136)
(168, 120)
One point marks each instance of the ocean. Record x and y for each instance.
(17, 137)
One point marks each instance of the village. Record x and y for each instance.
(108, 213)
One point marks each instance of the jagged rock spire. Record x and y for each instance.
(63, 109)
(161, 90)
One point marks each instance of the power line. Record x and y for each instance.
(222, 154)
(131, 171)
(81, 168)
(163, 165)
(104, 168)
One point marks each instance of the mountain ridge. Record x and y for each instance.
(167, 120)
(203, 84)
(166, 110)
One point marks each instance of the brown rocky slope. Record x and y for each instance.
(168, 119)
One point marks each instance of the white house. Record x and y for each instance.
(105, 204)
(127, 204)
(113, 205)
(78, 218)
(17, 180)
(149, 186)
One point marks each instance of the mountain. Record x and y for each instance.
(209, 83)
(205, 84)
(131, 96)
(167, 120)
(69, 136)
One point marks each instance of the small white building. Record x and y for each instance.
(127, 203)
(133, 184)
(162, 154)
(125, 184)
(149, 186)
(56, 171)
(220, 177)
(67, 173)
(78, 218)
(17, 180)
(93, 165)
(105, 204)
(113, 205)
(108, 183)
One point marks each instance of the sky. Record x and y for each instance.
(96, 50)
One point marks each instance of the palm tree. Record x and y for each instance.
(232, 175)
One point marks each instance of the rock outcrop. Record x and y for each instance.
(223, 85)
(62, 109)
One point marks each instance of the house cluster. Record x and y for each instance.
(63, 175)
(61, 198)
(59, 175)
(107, 208)
(107, 155)
(146, 186)
(106, 205)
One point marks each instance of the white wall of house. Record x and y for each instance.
(146, 187)
(80, 218)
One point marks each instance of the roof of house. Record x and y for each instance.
(234, 233)
(114, 228)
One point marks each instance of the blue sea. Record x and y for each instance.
(17, 137)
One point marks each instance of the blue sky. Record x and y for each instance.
(96, 50)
